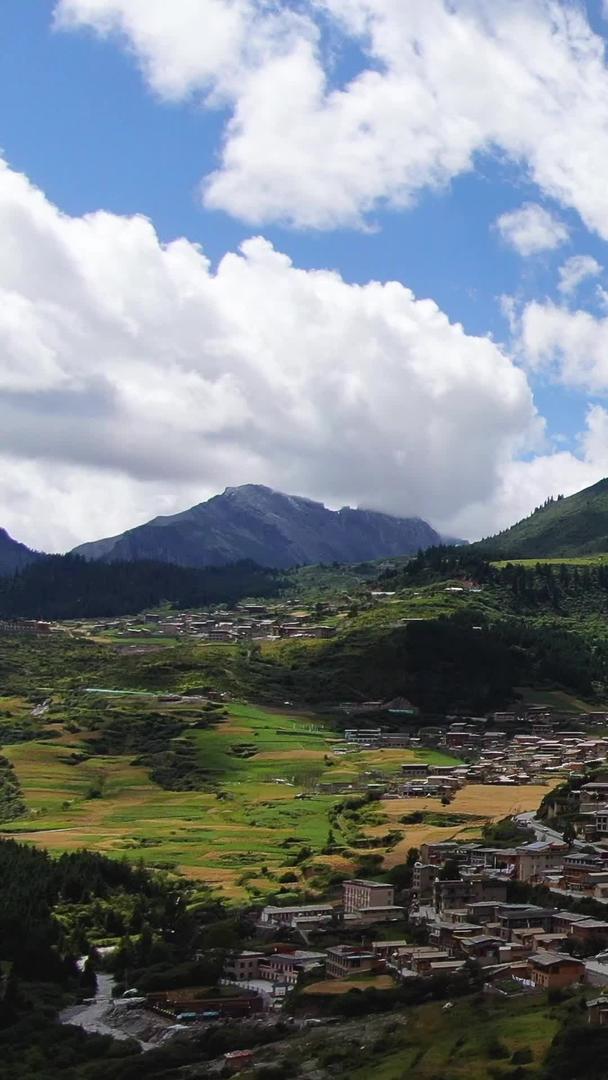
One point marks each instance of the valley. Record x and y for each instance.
(251, 758)
(267, 810)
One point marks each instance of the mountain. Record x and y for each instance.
(13, 555)
(577, 525)
(272, 529)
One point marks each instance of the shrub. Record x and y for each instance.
(496, 1049)
(523, 1056)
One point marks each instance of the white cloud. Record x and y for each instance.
(525, 484)
(441, 82)
(570, 346)
(575, 270)
(135, 380)
(532, 229)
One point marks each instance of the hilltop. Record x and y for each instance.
(13, 555)
(272, 529)
(577, 525)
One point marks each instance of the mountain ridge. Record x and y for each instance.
(14, 555)
(562, 526)
(271, 528)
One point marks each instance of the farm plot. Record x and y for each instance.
(257, 817)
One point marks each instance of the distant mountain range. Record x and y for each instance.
(279, 531)
(268, 527)
(577, 525)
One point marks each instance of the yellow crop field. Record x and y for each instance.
(487, 802)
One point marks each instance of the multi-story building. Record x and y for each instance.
(243, 966)
(553, 971)
(589, 930)
(288, 965)
(342, 960)
(415, 770)
(423, 877)
(459, 893)
(360, 895)
(534, 860)
(517, 917)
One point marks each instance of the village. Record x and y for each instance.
(529, 915)
(246, 622)
(456, 918)
(538, 746)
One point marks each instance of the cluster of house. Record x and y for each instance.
(24, 626)
(466, 918)
(491, 755)
(364, 903)
(577, 873)
(587, 806)
(247, 622)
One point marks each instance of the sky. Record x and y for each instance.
(352, 249)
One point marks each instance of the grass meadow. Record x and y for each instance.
(461, 1042)
(261, 810)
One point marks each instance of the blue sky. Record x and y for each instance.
(88, 117)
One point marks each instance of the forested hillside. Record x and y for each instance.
(69, 587)
(577, 525)
(50, 912)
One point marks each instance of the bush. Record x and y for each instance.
(523, 1056)
(274, 1072)
(497, 1049)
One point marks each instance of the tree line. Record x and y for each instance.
(70, 587)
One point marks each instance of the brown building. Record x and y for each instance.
(553, 971)
(565, 921)
(534, 860)
(459, 893)
(423, 876)
(175, 1003)
(590, 929)
(482, 949)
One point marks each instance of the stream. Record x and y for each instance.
(92, 1016)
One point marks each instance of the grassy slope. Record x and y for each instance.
(455, 1045)
(255, 822)
(577, 525)
(224, 840)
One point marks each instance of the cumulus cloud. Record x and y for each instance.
(532, 229)
(134, 379)
(524, 484)
(570, 346)
(576, 270)
(439, 82)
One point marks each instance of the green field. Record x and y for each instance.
(471, 1038)
(249, 818)
(461, 1043)
(555, 699)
